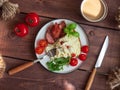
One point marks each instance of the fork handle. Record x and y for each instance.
(91, 78)
(20, 68)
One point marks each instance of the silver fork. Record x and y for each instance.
(50, 53)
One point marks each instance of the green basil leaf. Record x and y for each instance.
(72, 26)
(71, 30)
(66, 30)
(76, 34)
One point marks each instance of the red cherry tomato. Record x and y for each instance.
(21, 30)
(85, 49)
(73, 62)
(83, 57)
(32, 19)
(39, 50)
(42, 43)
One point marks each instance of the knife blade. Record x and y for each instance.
(102, 52)
(98, 63)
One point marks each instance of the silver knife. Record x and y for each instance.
(98, 63)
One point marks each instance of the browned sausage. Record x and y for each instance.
(56, 31)
(62, 25)
(48, 36)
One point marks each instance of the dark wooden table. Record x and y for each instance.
(16, 51)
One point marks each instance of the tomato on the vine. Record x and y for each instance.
(73, 62)
(85, 49)
(32, 19)
(82, 57)
(21, 30)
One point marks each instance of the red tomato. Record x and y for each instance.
(73, 54)
(21, 30)
(32, 19)
(73, 62)
(42, 43)
(83, 57)
(39, 50)
(85, 49)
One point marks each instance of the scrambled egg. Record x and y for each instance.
(65, 46)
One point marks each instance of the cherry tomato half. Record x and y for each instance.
(42, 43)
(85, 49)
(39, 50)
(73, 62)
(83, 57)
(32, 19)
(21, 30)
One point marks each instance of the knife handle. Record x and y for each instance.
(20, 68)
(90, 80)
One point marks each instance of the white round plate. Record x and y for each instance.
(41, 35)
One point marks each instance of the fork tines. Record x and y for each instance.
(51, 52)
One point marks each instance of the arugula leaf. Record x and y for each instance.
(58, 63)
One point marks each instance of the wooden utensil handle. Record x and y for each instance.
(91, 78)
(20, 68)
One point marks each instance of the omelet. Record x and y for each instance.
(66, 46)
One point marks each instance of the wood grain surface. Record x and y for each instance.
(68, 9)
(36, 77)
(16, 50)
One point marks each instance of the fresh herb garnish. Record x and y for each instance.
(72, 26)
(70, 30)
(58, 63)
